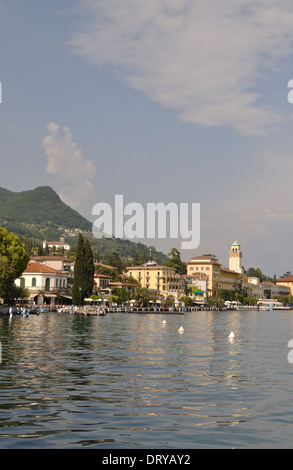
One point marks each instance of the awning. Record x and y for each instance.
(32, 296)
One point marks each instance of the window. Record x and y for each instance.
(22, 282)
(47, 284)
(34, 282)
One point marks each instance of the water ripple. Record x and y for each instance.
(127, 380)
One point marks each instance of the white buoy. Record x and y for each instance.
(181, 329)
(164, 321)
(231, 335)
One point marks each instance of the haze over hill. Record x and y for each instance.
(41, 215)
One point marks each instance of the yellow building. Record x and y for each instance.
(286, 281)
(218, 276)
(207, 265)
(161, 279)
(228, 279)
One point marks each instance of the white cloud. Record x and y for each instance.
(200, 58)
(73, 174)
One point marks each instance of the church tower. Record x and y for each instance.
(235, 258)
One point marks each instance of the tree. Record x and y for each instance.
(122, 295)
(187, 300)
(90, 266)
(40, 250)
(13, 261)
(252, 272)
(175, 262)
(143, 296)
(83, 280)
(140, 258)
(286, 274)
(113, 259)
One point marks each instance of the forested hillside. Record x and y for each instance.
(39, 214)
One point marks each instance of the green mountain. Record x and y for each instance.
(41, 215)
(39, 208)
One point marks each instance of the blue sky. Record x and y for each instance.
(160, 103)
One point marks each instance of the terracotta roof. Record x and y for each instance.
(203, 258)
(105, 265)
(52, 257)
(226, 270)
(39, 268)
(121, 284)
(285, 279)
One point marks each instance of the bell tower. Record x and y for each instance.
(235, 258)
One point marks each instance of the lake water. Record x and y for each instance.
(127, 381)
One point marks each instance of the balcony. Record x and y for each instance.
(42, 289)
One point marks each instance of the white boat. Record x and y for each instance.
(271, 305)
(232, 304)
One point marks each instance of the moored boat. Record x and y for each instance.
(269, 304)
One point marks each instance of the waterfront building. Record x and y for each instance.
(101, 282)
(163, 280)
(60, 263)
(218, 276)
(198, 287)
(230, 279)
(46, 285)
(255, 289)
(272, 291)
(287, 282)
(208, 265)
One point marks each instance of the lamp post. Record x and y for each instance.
(79, 297)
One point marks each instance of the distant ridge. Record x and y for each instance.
(38, 206)
(41, 215)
